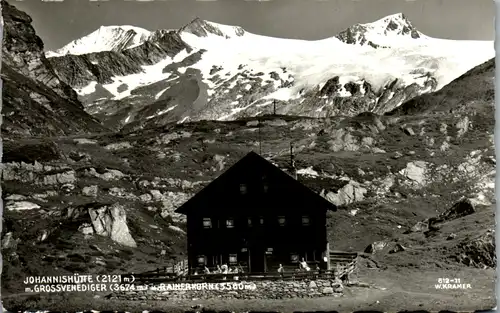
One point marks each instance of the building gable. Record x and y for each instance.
(249, 167)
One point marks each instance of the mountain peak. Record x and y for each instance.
(395, 22)
(396, 16)
(386, 31)
(105, 38)
(204, 28)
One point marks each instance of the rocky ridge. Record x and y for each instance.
(79, 70)
(35, 100)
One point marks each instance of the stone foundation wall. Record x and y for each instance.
(236, 290)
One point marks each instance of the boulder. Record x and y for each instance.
(112, 222)
(409, 131)
(78, 156)
(118, 146)
(376, 246)
(8, 241)
(397, 248)
(111, 175)
(86, 229)
(460, 209)
(377, 150)
(327, 290)
(145, 197)
(350, 193)
(462, 126)
(90, 191)
(397, 155)
(157, 195)
(420, 227)
(67, 177)
(219, 160)
(21, 206)
(43, 235)
(84, 141)
(415, 171)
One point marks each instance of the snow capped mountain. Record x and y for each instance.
(106, 38)
(202, 28)
(392, 30)
(207, 70)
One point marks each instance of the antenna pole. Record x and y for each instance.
(260, 141)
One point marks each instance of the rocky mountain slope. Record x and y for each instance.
(35, 100)
(210, 71)
(386, 173)
(393, 29)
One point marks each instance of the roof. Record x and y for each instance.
(251, 160)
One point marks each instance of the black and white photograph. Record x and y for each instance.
(248, 155)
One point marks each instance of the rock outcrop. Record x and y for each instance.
(415, 172)
(111, 221)
(480, 251)
(350, 193)
(35, 101)
(462, 208)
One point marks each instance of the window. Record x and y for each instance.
(305, 220)
(261, 220)
(207, 222)
(249, 221)
(294, 258)
(233, 258)
(243, 189)
(281, 220)
(265, 184)
(201, 260)
(230, 223)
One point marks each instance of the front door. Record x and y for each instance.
(257, 260)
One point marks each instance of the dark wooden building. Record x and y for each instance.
(257, 216)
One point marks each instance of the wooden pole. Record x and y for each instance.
(274, 107)
(260, 141)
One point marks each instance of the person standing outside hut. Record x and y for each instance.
(224, 269)
(281, 270)
(304, 266)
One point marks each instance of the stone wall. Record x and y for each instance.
(237, 290)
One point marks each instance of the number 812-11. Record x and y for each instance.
(448, 280)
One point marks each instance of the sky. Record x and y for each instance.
(59, 22)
